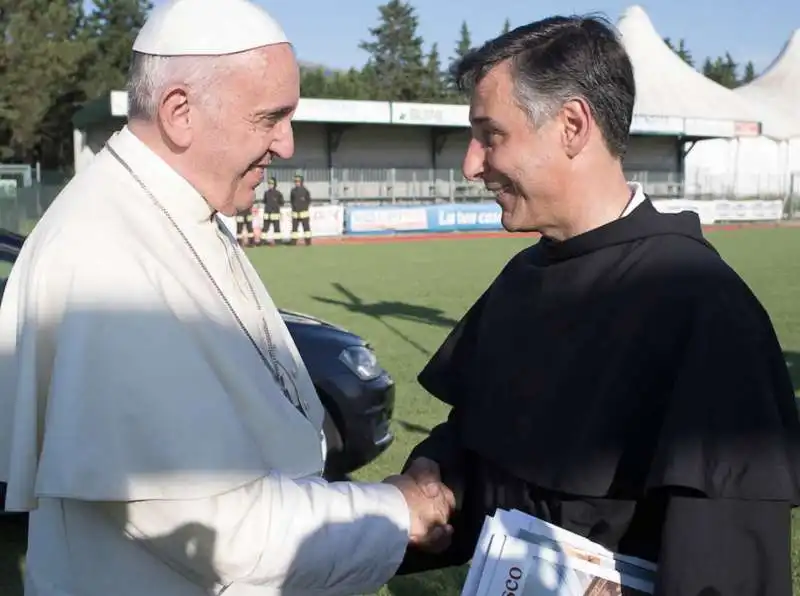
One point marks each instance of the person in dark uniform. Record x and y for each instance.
(300, 200)
(617, 379)
(273, 201)
(244, 227)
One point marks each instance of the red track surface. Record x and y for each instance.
(401, 237)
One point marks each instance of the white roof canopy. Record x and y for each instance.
(778, 90)
(668, 87)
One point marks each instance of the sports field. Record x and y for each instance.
(404, 297)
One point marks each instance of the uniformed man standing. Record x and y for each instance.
(244, 227)
(273, 201)
(300, 199)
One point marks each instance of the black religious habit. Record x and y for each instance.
(626, 385)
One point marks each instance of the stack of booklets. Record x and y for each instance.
(520, 555)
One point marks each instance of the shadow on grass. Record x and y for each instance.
(383, 310)
(13, 544)
(412, 428)
(432, 583)
(389, 308)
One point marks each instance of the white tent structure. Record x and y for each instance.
(675, 104)
(668, 88)
(778, 89)
(768, 165)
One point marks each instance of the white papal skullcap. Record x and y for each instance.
(207, 28)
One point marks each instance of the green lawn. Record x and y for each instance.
(405, 297)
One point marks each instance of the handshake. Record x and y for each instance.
(430, 502)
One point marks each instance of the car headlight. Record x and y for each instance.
(362, 361)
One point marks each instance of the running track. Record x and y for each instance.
(411, 237)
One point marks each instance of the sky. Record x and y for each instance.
(328, 31)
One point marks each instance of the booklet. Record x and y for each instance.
(520, 554)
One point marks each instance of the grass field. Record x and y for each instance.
(405, 297)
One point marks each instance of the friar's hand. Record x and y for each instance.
(428, 476)
(430, 509)
(426, 472)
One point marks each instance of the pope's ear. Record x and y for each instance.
(174, 116)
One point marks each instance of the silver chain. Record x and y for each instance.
(270, 360)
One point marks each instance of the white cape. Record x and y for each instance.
(124, 375)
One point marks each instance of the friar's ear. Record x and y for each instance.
(577, 124)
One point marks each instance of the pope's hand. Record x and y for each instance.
(431, 505)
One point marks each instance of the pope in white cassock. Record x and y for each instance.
(156, 418)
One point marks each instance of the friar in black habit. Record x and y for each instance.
(617, 378)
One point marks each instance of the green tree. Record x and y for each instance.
(722, 70)
(317, 83)
(506, 27)
(39, 60)
(464, 43)
(681, 50)
(111, 29)
(396, 54)
(313, 82)
(349, 85)
(368, 78)
(434, 87)
(749, 72)
(463, 46)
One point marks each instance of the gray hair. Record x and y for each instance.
(150, 76)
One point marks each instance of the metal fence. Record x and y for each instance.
(393, 185)
(793, 200)
(403, 185)
(738, 185)
(25, 196)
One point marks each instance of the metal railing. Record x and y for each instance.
(395, 185)
(738, 185)
(20, 210)
(402, 185)
(792, 208)
(25, 194)
(23, 200)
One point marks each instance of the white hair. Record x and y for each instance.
(150, 76)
